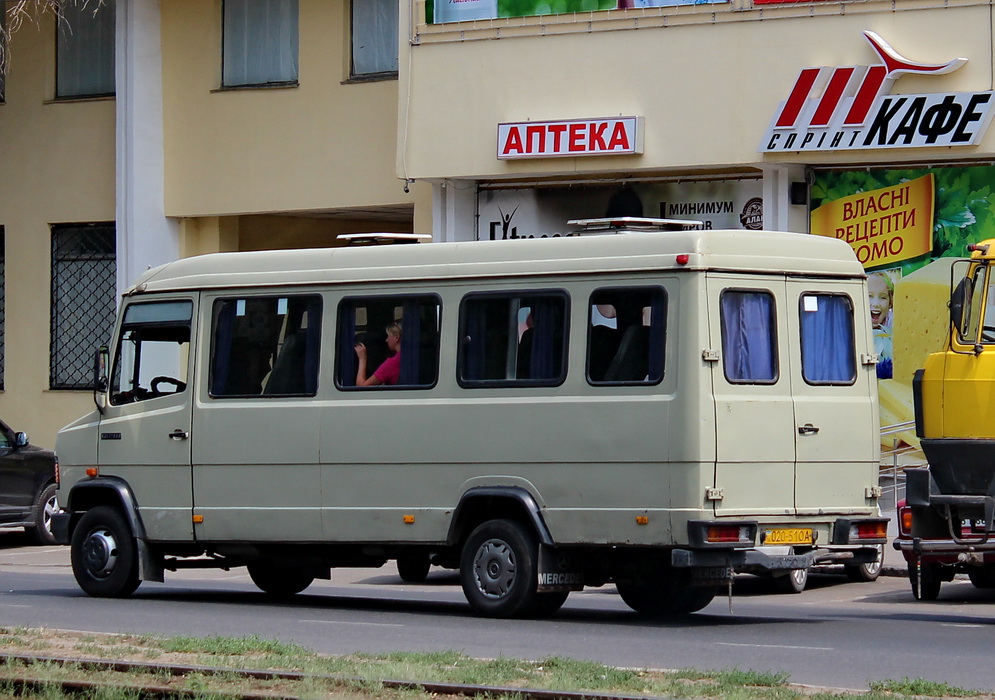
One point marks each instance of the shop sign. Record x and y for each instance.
(853, 110)
(575, 137)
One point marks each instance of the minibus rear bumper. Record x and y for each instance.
(773, 558)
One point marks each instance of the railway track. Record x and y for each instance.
(16, 670)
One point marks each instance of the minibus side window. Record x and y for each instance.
(370, 321)
(513, 339)
(265, 346)
(749, 337)
(827, 339)
(626, 336)
(152, 351)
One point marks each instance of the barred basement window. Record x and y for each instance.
(84, 283)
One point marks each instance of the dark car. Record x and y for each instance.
(27, 485)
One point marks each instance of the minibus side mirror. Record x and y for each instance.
(100, 378)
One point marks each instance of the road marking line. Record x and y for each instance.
(367, 624)
(774, 646)
(961, 624)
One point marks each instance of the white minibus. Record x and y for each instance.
(652, 410)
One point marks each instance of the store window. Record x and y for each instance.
(85, 49)
(260, 42)
(84, 300)
(374, 38)
(516, 339)
(749, 338)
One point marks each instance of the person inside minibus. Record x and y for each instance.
(389, 372)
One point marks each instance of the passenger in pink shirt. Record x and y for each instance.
(389, 372)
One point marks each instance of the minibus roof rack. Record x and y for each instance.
(382, 238)
(631, 224)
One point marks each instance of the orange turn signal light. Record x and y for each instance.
(869, 531)
(642, 520)
(409, 519)
(92, 471)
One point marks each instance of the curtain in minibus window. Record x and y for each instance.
(828, 355)
(749, 341)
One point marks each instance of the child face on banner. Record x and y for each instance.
(879, 296)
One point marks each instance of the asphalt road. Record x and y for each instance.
(833, 634)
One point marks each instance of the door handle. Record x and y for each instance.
(179, 435)
(807, 429)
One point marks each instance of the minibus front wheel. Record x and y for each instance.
(104, 554)
(498, 571)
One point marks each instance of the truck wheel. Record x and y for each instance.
(794, 582)
(279, 581)
(46, 506)
(865, 572)
(413, 568)
(927, 587)
(498, 569)
(104, 554)
(670, 597)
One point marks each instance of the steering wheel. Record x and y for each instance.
(156, 381)
(988, 334)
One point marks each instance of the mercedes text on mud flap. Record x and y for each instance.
(640, 409)
(948, 521)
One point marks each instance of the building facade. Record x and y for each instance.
(257, 124)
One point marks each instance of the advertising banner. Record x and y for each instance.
(544, 212)
(439, 11)
(906, 226)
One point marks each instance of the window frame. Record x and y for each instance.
(229, 82)
(372, 76)
(313, 302)
(116, 373)
(853, 337)
(657, 335)
(508, 295)
(65, 33)
(774, 339)
(345, 344)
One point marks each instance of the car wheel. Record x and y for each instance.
(671, 595)
(46, 506)
(925, 585)
(104, 554)
(279, 581)
(982, 577)
(794, 582)
(866, 572)
(413, 568)
(498, 569)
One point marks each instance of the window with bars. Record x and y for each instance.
(84, 283)
(85, 49)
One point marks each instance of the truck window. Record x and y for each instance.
(626, 336)
(827, 339)
(265, 346)
(749, 337)
(513, 339)
(369, 321)
(152, 351)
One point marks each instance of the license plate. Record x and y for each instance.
(789, 535)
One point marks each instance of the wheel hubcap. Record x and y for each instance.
(494, 567)
(100, 553)
(51, 508)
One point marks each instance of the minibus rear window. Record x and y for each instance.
(828, 354)
(749, 337)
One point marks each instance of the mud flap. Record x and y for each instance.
(556, 571)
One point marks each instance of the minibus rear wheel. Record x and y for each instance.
(104, 554)
(498, 570)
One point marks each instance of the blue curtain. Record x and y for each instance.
(313, 352)
(410, 343)
(347, 343)
(828, 355)
(222, 348)
(748, 337)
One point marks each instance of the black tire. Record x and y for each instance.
(925, 586)
(671, 596)
(546, 604)
(498, 569)
(982, 577)
(46, 506)
(413, 568)
(865, 573)
(279, 581)
(794, 582)
(104, 554)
